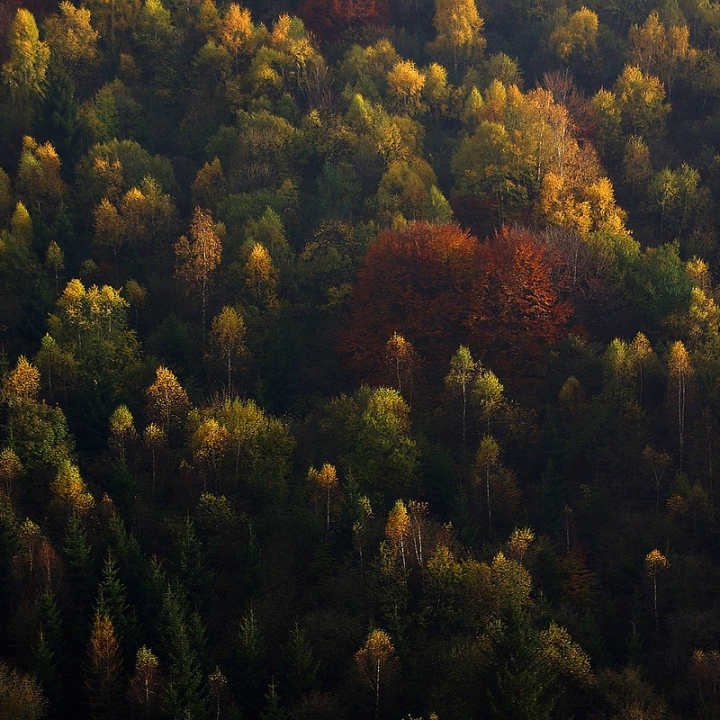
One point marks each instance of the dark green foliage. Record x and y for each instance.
(184, 649)
(519, 687)
(254, 601)
(250, 680)
(59, 121)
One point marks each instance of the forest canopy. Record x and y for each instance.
(359, 359)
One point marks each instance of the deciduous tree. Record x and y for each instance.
(104, 666)
(414, 282)
(374, 660)
(167, 400)
(459, 27)
(228, 333)
(198, 258)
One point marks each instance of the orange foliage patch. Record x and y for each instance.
(334, 19)
(438, 287)
(517, 305)
(415, 282)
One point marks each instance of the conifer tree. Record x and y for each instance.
(103, 670)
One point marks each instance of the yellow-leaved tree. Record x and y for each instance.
(459, 29)
(167, 400)
(198, 257)
(375, 660)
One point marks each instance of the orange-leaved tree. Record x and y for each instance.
(332, 19)
(414, 282)
(518, 306)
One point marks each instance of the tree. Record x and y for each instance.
(228, 333)
(110, 228)
(70, 492)
(459, 27)
(303, 671)
(517, 307)
(36, 432)
(55, 261)
(402, 358)
(122, 430)
(198, 258)
(414, 282)
(463, 370)
(487, 460)
(374, 660)
(406, 84)
(24, 71)
(251, 664)
(237, 33)
(659, 463)
(184, 642)
(103, 670)
(578, 34)
(39, 181)
(209, 442)
(91, 325)
(397, 530)
(10, 469)
(333, 19)
(262, 277)
(641, 101)
(663, 52)
(655, 561)
(680, 372)
(167, 401)
(261, 446)
(112, 601)
(154, 437)
(145, 686)
(363, 514)
(376, 448)
(71, 37)
(22, 384)
(21, 698)
(487, 395)
(326, 483)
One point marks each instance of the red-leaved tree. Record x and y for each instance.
(518, 305)
(335, 19)
(415, 282)
(438, 288)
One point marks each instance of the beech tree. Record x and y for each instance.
(429, 268)
(332, 19)
(517, 308)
